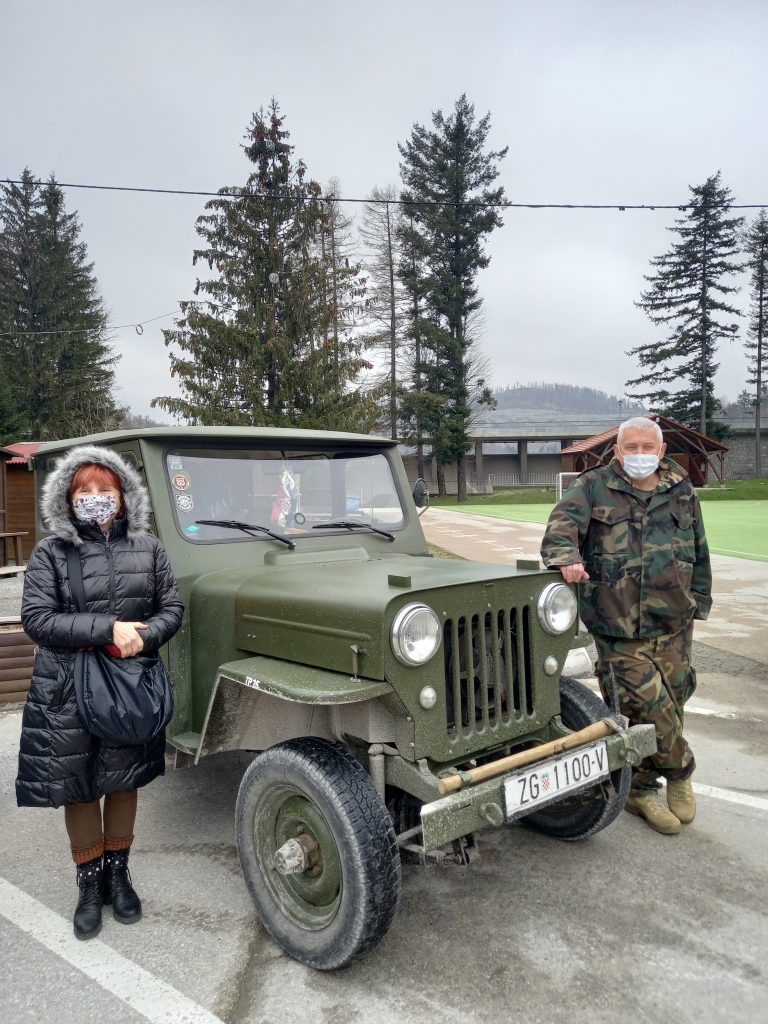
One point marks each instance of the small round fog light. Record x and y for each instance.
(428, 697)
(551, 665)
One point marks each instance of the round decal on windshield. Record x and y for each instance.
(184, 502)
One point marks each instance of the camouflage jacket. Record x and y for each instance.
(648, 562)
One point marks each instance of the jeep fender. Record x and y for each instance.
(257, 702)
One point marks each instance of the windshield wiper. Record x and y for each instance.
(354, 526)
(233, 524)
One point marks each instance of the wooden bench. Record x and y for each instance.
(16, 538)
(11, 570)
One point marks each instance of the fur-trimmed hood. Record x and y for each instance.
(54, 506)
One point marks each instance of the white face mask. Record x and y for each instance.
(96, 508)
(640, 467)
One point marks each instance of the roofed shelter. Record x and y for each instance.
(17, 501)
(695, 452)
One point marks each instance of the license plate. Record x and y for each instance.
(548, 781)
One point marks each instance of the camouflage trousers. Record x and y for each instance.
(654, 680)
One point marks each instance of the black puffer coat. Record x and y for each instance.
(126, 577)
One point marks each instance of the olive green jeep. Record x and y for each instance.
(396, 703)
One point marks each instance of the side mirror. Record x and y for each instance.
(421, 494)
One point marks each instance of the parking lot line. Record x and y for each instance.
(732, 796)
(159, 1002)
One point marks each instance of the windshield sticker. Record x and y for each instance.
(175, 463)
(184, 502)
(180, 481)
(194, 528)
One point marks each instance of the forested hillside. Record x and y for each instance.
(563, 398)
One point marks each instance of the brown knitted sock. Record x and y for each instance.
(111, 844)
(82, 856)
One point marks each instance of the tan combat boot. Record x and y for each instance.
(681, 799)
(648, 806)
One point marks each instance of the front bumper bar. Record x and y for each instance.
(482, 805)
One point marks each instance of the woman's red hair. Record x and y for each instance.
(93, 473)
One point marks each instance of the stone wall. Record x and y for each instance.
(740, 460)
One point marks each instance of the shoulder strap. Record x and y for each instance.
(75, 571)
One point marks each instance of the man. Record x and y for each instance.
(630, 535)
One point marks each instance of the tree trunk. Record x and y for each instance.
(420, 460)
(704, 325)
(759, 374)
(440, 479)
(392, 333)
(335, 297)
(461, 478)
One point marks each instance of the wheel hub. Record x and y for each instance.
(297, 856)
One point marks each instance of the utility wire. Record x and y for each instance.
(240, 194)
(138, 327)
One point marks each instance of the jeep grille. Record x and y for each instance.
(493, 650)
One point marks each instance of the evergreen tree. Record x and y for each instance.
(259, 348)
(345, 288)
(448, 176)
(756, 250)
(688, 298)
(53, 327)
(415, 405)
(381, 234)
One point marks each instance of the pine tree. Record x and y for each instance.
(345, 288)
(687, 297)
(756, 250)
(258, 347)
(54, 348)
(448, 176)
(381, 234)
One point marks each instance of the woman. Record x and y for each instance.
(95, 501)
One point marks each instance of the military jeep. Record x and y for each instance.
(396, 703)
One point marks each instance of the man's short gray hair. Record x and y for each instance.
(640, 423)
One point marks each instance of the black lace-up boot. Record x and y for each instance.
(118, 891)
(87, 919)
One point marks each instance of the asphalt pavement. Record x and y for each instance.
(629, 925)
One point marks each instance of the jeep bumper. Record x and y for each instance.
(484, 804)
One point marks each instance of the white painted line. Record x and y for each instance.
(732, 797)
(159, 1002)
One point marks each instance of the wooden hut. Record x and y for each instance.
(17, 497)
(695, 452)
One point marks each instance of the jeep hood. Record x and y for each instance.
(315, 608)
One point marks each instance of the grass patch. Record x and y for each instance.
(519, 496)
(735, 490)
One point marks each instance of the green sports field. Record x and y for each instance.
(736, 528)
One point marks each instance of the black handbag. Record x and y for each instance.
(124, 701)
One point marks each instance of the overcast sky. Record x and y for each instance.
(598, 100)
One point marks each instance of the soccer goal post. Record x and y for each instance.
(564, 481)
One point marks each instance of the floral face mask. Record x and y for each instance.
(96, 508)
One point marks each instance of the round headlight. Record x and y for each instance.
(557, 608)
(415, 634)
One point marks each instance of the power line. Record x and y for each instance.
(240, 194)
(138, 327)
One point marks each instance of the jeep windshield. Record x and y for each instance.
(289, 492)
